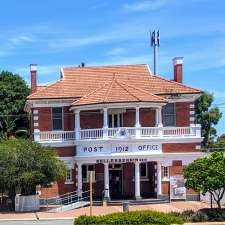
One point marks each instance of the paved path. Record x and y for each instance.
(38, 222)
(102, 210)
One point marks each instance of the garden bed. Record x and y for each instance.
(154, 218)
(130, 218)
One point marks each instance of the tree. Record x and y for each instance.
(25, 164)
(13, 93)
(219, 144)
(207, 175)
(207, 116)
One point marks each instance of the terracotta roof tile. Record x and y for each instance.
(116, 91)
(78, 82)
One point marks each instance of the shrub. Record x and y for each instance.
(214, 214)
(136, 218)
(199, 217)
(204, 215)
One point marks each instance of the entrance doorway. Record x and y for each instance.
(115, 181)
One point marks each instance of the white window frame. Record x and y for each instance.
(118, 119)
(69, 179)
(166, 173)
(166, 114)
(62, 118)
(86, 180)
(146, 171)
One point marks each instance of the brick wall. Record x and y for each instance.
(91, 119)
(58, 188)
(179, 147)
(44, 119)
(94, 119)
(68, 119)
(65, 151)
(147, 117)
(175, 169)
(182, 114)
(129, 118)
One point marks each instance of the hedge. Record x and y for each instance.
(134, 218)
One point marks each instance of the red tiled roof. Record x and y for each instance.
(78, 82)
(116, 91)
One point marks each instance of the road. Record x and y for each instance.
(37, 222)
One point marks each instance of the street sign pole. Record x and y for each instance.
(91, 191)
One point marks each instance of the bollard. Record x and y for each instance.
(125, 206)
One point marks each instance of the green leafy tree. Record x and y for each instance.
(208, 117)
(219, 144)
(25, 164)
(13, 93)
(207, 175)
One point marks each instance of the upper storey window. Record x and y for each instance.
(116, 120)
(57, 118)
(169, 115)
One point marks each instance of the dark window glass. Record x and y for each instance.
(115, 120)
(169, 115)
(121, 119)
(84, 172)
(143, 169)
(91, 168)
(57, 119)
(110, 120)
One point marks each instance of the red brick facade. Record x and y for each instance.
(94, 119)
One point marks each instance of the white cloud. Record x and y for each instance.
(147, 5)
(42, 70)
(116, 51)
(20, 39)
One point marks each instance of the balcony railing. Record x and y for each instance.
(122, 132)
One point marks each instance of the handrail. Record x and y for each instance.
(68, 199)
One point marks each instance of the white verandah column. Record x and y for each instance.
(158, 116)
(159, 179)
(105, 123)
(77, 124)
(137, 180)
(158, 120)
(106, 181)
(79, 179)
(137, 123)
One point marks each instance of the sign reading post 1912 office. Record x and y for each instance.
(123, 148)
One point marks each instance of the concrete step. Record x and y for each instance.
(137, 202)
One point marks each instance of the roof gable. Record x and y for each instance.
(116, 91)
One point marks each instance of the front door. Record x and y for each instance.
(115, 184)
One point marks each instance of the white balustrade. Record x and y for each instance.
(57, 135)
(91, 134)
(150, 131)
(145, 132)
(178, 131)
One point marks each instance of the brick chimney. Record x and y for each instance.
(33, 78)
(178, 69)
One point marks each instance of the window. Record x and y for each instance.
(116, 120)
(169, 115)
(57, 118)
(86, 169)
(69, 176)
(143, 170)
(165, 173)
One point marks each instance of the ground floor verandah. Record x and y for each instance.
(125, 176)
(121, 180)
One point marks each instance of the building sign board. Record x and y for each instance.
(118, 148)
(121, 160)
(177, 187)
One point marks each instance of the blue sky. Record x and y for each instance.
(55, 33)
